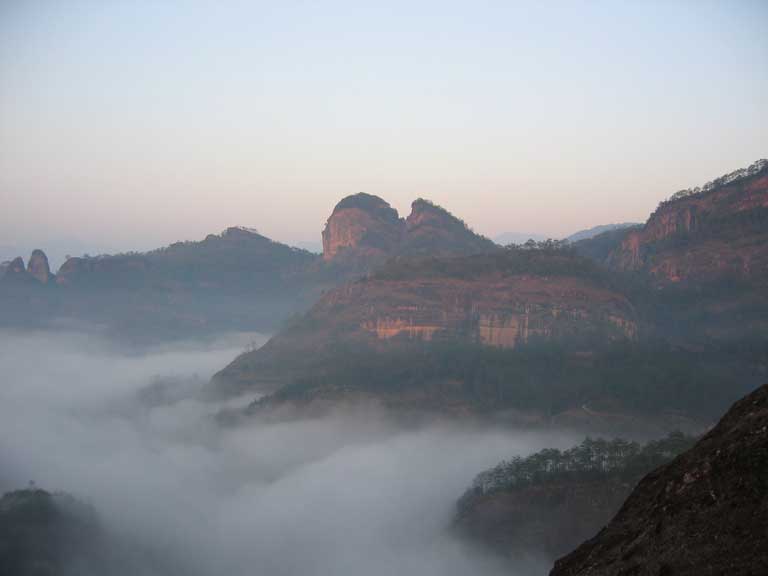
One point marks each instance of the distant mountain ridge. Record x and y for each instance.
(236, 280)
(597, 230)
(459, 330)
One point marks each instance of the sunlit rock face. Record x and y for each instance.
(498, 300)
(499, 313)
(714, 232)
(365, 227)
(362, 225)
(38, 267)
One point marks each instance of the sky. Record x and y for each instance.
(133, 124)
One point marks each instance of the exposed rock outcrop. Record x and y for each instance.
(361, 226)
(710, 233)
(500, 299)
(705, 513)
(38, 267)
(366, 230)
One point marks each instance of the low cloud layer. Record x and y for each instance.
(346, 495)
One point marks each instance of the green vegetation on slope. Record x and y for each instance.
(644, 377)
(592, 459)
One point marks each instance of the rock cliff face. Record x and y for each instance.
(718, 231)
(38, 267)
(491, 300)
(706, 512)
(367, 230)
(364, 226)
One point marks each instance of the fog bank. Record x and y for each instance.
(344, 495)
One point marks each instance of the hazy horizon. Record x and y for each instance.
(131, 125)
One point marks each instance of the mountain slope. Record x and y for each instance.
(549, 502)
(706, 512)
(719, 231)
(364, 231)
(500, 300)
(597, 230)
(238, 280)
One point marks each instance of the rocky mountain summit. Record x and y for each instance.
(362, 226)
(494, 301)
(704, 513)
(37, 269)
(366, 230)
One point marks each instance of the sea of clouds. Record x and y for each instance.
(347, 494)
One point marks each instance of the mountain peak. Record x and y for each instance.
(433, 230)
(38, 266)
(362, 225)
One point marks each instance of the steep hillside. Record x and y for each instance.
(238, 280)
(501, 300)
(362, 227)
(597, 230)
(718, 231)
(706, 512)
(364, 231)
(433, 231)
(549, 502)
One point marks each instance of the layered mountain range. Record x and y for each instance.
(501, 329)
(236, 280)
(629, 317)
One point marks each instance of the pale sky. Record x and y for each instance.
(132, 124)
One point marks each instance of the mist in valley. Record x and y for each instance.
(125, 432)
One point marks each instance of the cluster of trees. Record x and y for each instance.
(547, 258)
(546, 377)
(592, 459)
(724, 180)
(550, 245)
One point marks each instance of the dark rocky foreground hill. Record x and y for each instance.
(704, 513)
(544, 505)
